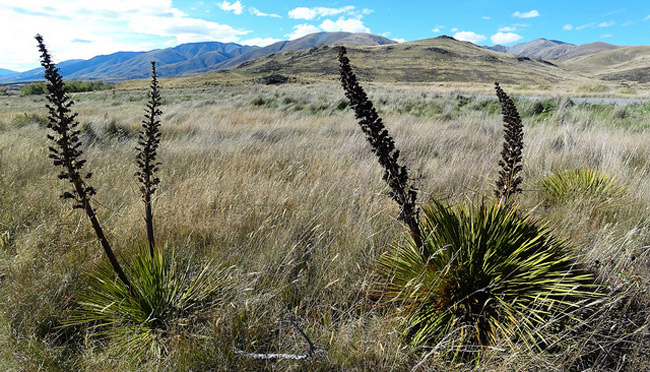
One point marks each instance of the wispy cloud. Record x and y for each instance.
(106, 28)
(588, 25)
(438, 29)
(507, 29)
(505, 37)
(469, 36)
(647, 17)
(606, 24)
(606, 36)
(531, 14)
(568, 27)
(485, 17)
(257, 12)
(235, 7)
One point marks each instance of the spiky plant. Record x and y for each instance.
(600, 189)
(172, 298)
(486, 273)
(383, 145)
(66, 153)
(509, 180)
(148, 141)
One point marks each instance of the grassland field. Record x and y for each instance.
(279, 183)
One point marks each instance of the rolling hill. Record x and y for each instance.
(627, 63)
(307, 42)
(553, 50)
(439, 59)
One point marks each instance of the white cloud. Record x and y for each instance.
(302, 13)
(106, 27)
(319, 11)
(485, 17)
(607, 35)
(469, 36)
(505, 38)
(235, 7)
(257, 12)
(568, 27)
(507, 29)
(607, 24)
(454, 29)
(302, 30)
(260, 41)
(531, 14)
(647, 17)
(345, 25)
(340, 25)
(399, 40)
(438, 29)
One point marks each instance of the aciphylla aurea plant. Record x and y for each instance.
(383, 145)
(66, 153)
(509, 180)
(148, 141)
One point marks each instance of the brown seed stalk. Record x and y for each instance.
(148, 141)
(66, 152)
(508, 182)
(383, 145)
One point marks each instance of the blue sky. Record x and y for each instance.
(83, 28)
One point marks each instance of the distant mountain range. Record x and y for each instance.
(553, 50)
(186, 59)
(4, 71)
(378, 58)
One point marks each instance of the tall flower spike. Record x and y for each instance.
(513, 144)
(66, 153)
(383, 146)
(148, 141)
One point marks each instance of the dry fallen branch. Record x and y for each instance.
(308, 354)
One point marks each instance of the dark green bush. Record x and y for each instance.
(71, 87)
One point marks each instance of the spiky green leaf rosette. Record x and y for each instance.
(485, 274)
(172, 297)
(599, 189)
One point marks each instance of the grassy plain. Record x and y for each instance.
(279, 183)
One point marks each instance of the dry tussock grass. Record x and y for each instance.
(289, 193)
